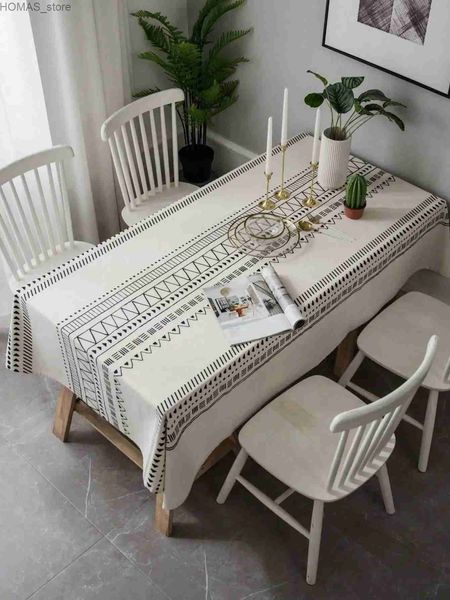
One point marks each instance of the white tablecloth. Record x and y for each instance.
(127, 327)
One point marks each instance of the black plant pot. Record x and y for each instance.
(196, 162)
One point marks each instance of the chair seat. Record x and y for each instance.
(396, 337)
(157, 202)
(50, 263)
(431, 283)
(291, 437)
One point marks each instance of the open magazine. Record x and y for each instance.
(253, 307)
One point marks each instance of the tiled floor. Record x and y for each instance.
(76, 523)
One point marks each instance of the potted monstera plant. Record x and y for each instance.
(199, 67)
(348, 113)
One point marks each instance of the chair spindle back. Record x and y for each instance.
(365, 431)
(35, 221)
(140, 169)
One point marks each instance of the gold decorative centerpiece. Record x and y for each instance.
(311, 200)
(264, 234)
(267, 203)
(264, 226)
(283, 193)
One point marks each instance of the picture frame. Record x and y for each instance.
(405, 38)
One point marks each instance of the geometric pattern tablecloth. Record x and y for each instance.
(134, 336)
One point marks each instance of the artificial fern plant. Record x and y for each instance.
(195, 64)
(341, 100)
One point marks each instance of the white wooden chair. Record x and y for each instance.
(294, 439)
(430, 283)
(35, 224)
(393, 339)
(147, 183)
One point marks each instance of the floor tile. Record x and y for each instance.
(41, 532)
(98, 479)
(230, 546)
(101, 573)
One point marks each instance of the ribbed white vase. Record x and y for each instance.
(333, 162)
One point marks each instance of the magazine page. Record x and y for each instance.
(247, 309)
(252, 307)
(290, 309)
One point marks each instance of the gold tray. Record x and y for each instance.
(265, 235)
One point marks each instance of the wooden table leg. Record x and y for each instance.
(345, 352)
(63, 416)
(163, 517)
(67, 403)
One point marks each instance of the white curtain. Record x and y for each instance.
(84, 72)
(23, 116)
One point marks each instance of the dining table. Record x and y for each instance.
(127, 329)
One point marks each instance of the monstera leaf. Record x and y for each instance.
(373, 95)
(393, 103)
(320, 77)
(314, 100)
(340, 97)
(352, 82)
(371, 109)
(394, 119)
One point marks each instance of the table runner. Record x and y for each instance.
(127, 327)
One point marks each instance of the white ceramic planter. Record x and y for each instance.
(333, 162)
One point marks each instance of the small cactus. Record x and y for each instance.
(356, 191)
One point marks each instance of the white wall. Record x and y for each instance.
(286, 42)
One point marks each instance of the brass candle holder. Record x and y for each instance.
(282, 193)
(311, 200)
(267, 203)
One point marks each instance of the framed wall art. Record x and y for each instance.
(407, 38)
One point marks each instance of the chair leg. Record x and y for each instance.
(347, 375)
(235, 470)
(315, 534)
(428, 429)
(386, 492)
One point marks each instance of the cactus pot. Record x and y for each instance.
(333, 161)
(353, 213)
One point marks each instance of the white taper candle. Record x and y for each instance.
(268, 169)
(316, 144)
(284, 122)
